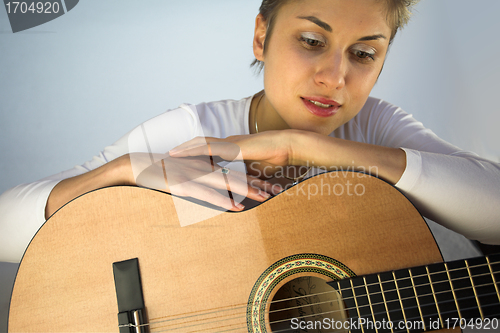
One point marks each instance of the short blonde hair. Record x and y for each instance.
(398, 15)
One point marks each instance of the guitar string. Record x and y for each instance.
(244, 306)
(164, 321)
(344, 310)
(373, 304)
(410, 319)
(368, 285)
(244, 326)
(347, 309)
(424, 275)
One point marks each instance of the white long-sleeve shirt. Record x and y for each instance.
(456, 188)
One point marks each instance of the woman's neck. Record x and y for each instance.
(263, 116)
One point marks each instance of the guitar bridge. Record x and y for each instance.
(129, 296)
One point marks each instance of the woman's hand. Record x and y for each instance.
(269, 153)
(265, 154)
(187, 177)
(200, 178)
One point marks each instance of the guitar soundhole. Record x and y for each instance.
(306, 304)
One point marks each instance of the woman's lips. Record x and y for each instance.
(321, 107)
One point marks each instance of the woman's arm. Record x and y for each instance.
(334, 154)
(24, 209)
(275, 149)
(116, 172)
(458, 190)
(190, 177)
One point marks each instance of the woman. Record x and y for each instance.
(321, 59)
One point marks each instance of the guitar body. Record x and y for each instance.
(208, 269)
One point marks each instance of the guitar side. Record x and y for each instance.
(65, 280)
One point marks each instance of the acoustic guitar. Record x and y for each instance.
(329, 254)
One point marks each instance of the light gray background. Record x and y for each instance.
(72, 86)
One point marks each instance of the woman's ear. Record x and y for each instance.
(259, 37)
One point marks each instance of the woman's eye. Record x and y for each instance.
(364, 55)
(311, 41)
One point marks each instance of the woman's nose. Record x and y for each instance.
(331, 71)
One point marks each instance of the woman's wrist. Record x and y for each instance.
(120, 171)
(301, 147)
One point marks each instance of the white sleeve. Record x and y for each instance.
(22, 208)
(455, 188)
(460, 191)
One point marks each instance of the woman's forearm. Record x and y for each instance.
(116, 172)
(459, 191)
(333, 154)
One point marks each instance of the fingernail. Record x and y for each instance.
(240, 206)
(265, 195)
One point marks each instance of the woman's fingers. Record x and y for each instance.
(197, 142)
(263, 186)
(238, 183)
(194, 176)
(209, 195)
(184, 181)
(269, 147)
(225, 150)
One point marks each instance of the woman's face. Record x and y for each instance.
(321, 62)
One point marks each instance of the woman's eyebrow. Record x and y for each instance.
(374, 37)
(328, 28)
(317, 21)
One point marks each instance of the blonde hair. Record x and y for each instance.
(398, 15)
